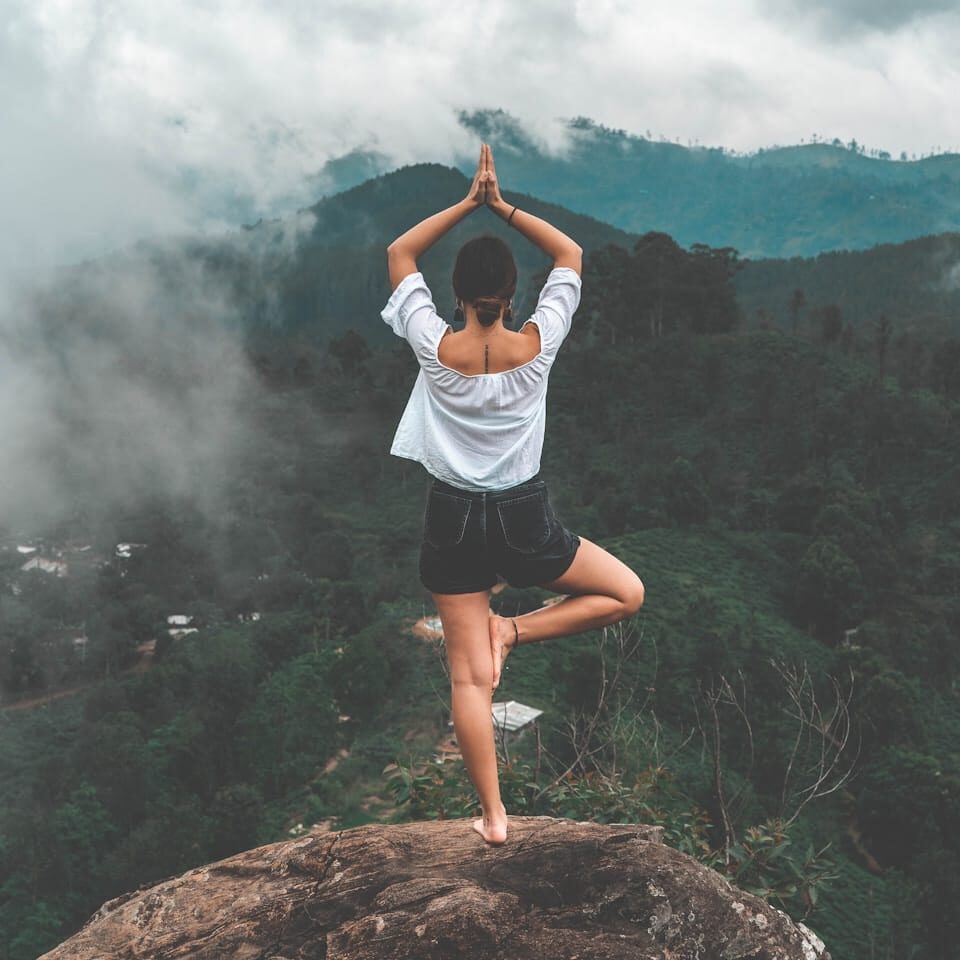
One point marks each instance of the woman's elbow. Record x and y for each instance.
(571, 256)
(395, 254)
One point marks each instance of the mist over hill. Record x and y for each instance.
(324, 271)
(321, 272)
(779, 202)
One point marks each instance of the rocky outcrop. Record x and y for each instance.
(557, 889)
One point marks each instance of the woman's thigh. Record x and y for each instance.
(596, 571)
(466, 636)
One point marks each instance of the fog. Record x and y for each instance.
(119, 381)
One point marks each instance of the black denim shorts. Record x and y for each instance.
(472, 539)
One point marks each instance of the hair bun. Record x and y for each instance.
(488, 310)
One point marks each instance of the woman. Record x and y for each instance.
(475, 420)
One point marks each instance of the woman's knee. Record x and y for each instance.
(479, 677)
(632, 596)
(472, 670)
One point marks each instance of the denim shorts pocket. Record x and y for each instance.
(526, 522)
(445, 519)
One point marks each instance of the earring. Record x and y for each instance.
(458, 316)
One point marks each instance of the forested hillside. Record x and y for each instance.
(786, 703)
(323, 273)
(913, 287)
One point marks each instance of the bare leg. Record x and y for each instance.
(601, 590)
(465, 619)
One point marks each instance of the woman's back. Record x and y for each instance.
(473, 428)
(498, 352)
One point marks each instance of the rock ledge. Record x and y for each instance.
(557, 889)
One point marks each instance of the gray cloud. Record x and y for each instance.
(118, 381)
(849, 16)
(73, 185)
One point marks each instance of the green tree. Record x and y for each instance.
(84, 830)
(887, 709)
(686, 495)
(291, 726)
(829, 590)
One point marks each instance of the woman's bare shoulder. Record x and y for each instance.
(509, 349)
(529, 329)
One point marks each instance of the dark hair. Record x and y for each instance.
(485, 275)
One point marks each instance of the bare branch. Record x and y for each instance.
(597, 736)
(830, 767)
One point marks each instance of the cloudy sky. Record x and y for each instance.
(128, 118)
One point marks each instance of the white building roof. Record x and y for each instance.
(125, 550)
(511, 716)
(47, 566)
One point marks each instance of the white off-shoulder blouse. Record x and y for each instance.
(477, 431)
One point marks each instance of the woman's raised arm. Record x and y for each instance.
(553, 242)
(403, 252)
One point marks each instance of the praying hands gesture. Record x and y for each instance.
(484, 191)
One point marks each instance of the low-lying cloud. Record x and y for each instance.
(119, 382)
(851, 16)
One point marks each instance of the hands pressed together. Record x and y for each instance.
(485, 190)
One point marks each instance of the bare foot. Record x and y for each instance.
(493, 828)
(503, 638)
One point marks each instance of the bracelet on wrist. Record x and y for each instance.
(512, 212)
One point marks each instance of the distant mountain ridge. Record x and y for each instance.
(322, 271)
(779, 202)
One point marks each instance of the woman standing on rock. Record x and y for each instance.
(475, 420)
